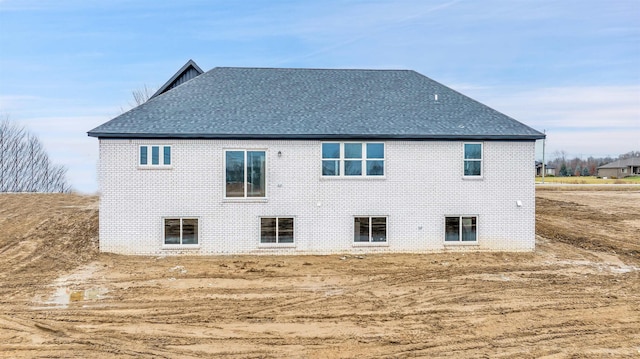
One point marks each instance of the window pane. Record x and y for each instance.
(155, 155)
(256, 174)
(330, 150)
(190, 231)
(353, 150)
(378, 229)
(267, 230)
(285, 230)
(235, 174)
(472, 151)
(143, 155)
(375, 168)
(167, 155)
(468, 228)
(171, 231)
(452, 229)
(353, 168)
(375, 150)
(472, 168)
(361, 229)
(330, 168)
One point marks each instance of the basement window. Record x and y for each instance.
(370, 229)
(461, 229)
(180, 231)
(274, 230)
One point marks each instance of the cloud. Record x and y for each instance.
(568, 108)
(583, 121)
(366, 20)
(580, 143)
(65, 124)
(13, 102)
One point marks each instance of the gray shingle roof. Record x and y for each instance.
(633, 161)
(313, 103)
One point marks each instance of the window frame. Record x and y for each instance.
(480, 160)
(181, 245)
(370, 242)
(460, 241)
(244, 198)
(343, 159)
(161, 156)
(277, 243)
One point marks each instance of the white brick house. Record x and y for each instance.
(241, 160)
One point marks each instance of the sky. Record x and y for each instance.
(570, 68)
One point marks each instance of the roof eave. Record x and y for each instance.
(113, 135)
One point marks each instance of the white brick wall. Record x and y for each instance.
(423, 183)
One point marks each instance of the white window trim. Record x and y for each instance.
(341, 161)
(277, 244)
(461, 242)
(161, 164)
(245, 199)
(180, 246)
(370, 243)
(481, 160)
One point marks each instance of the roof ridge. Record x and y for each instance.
(306, 68)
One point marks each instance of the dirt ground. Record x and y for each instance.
(576, 296)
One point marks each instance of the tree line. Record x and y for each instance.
(24, 163)
(577, 166)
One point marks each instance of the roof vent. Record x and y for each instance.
(435, 97)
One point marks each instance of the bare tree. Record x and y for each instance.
(142, 95)
(24, 164)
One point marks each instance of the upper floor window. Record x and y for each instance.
(472, 159)
(245, 173)
(155, 155)
(352, 159)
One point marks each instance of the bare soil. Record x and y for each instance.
(576, 296)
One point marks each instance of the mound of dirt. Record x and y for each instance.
(45, 235)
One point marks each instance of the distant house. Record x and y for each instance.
(281, 160)
(621, 168)
(549, 170)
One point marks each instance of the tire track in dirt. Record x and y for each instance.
(563, 300)
(576, 221)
